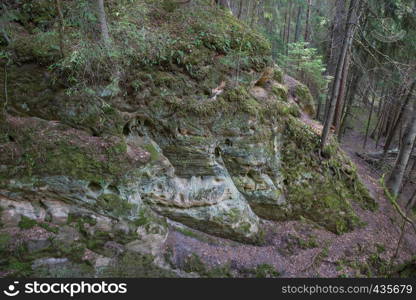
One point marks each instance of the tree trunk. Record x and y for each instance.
(3, 107)
(394, 109)
(298, 23)
(382, 122)
(351, 21)
(380, 113)
(288, 28)
(369, 121)
(396, 177)
(338, 34)
(411, 168)
(346, 109)
(105, 36)
(284, 39)
(247, 17)
(254, 13)
(3, 25)
(412, 201)
(341, 97)
(240, 9)
(308, 20)
(61, 27)
(393, 131)
(337, 37)
(225, 4)
(350, 96)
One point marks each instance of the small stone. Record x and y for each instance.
(67, 235)
(103, 224)
(13, 210)
(51, 261)
(102, 262)
(112, 248)
(34, 245)
(122, 227)
(58, 211)
(149, 242)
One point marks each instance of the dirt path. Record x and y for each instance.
(301, 249)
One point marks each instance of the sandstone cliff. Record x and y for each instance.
(104, 152)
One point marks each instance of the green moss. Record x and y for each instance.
(4, 242)
(293, 243)
(306, 100)
(220, 272)
(169, 5)
(285, 109)
(114, 204)
(17, 261)
(40, 13)
(280, 91)
(26, 223)
(278, 75)
(74, 252)
(308, 244)
(185, 41)
(33, 92)
(233, 215)
(373, 266)
(73, 218)
(260, 271)
(194, 264)
(147, 219)
(266, 271)
(319, 191)
(42, 47)
(19, 268)
(69, 153)
(245, 227)
(154, 154)
(97, 241)
(49, 228)
(181, 60)
(136, 265)
(234, 100)
(405, 270)
(189, 233)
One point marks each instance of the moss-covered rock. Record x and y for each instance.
(305, 98)
(41, 148)
(278, 74)
(280, 91)
(103, 145)
(31, 93)
(36, 14)
(320, 191)
(41, 48)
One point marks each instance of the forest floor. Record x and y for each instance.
(303, 249)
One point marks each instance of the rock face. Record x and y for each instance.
(301, 94)
(102, 173)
